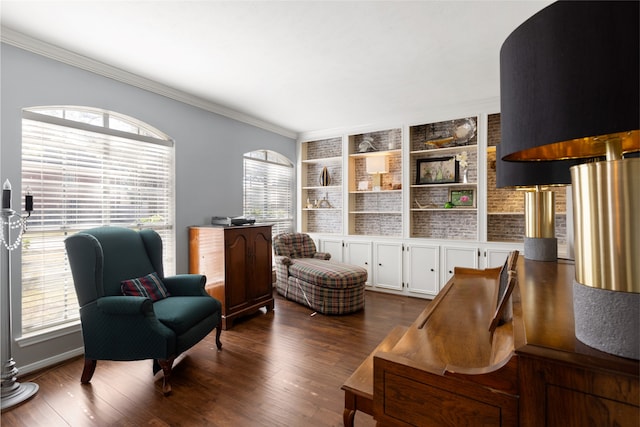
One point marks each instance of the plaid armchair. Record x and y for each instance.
(309, 277)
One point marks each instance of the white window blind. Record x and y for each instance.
(268, 189)
(84, 174)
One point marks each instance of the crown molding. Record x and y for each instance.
(48, 50)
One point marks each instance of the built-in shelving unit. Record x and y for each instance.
(322, 199)
(443, 193)
(375, 200)
(400, 224)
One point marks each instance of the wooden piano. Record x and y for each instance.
(449, 369)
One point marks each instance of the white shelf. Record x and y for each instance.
(445, 150)
(517, 213)
(375, 192)
(321, 209)
(376, 212)
(456, 209)
(323, 160)
(376, 153)
(450, 184)
(323, 187)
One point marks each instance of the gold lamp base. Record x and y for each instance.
(606, 205)
(540, 243)
(606, 292)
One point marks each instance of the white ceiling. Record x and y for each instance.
(302, 66)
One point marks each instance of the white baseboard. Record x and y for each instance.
(45, 363)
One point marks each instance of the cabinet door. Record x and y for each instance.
(237, 264)
(422, 269)
(332, 246)
(495, 257)
(387, 267)
(359, 253)
(259, 284)
(458, 257)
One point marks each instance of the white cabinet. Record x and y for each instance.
(387, 268)
(458, 257)
(350, 252)
(332, 246)
(359, 253)
(495, 257)
(422, 272)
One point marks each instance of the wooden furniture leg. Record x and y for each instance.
(88, 370)
(349, 413)
(166, 366)
(218, 332)
(358, 388)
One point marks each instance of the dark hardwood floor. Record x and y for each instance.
(283, 368)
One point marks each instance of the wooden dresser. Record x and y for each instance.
(237, 263)
(447, 369)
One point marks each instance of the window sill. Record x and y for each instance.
(48, 334)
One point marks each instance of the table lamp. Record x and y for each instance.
(377, 165)
(569, 87)
(536, 180)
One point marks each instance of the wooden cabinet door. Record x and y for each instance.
(236, 266)
(259, 283)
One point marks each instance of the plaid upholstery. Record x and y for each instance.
(149, 286)
(324, 300)
(297, 245)
(307, 277)
(328, 274)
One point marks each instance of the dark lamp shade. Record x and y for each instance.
(568, 74)
(530, 174)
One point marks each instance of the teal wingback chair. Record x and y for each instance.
(119, 327)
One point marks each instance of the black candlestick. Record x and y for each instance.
(28, 203)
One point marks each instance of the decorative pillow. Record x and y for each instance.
(149, 286)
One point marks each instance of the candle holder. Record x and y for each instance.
(12, 392)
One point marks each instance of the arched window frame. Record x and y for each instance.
(268, 189)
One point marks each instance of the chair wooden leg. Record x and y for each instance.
(218, 332)
(166, 366)
(156, 366)
(88, 370)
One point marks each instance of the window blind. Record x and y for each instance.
(84, 176)
(268, 189)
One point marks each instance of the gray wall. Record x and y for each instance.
(209, 150)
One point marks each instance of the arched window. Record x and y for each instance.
(268, 189)
(86, 167)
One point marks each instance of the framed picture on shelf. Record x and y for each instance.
(464, 198)
(437, 170)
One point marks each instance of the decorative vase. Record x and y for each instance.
(325, 179)
(465, 178)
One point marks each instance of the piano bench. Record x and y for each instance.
(358, 388)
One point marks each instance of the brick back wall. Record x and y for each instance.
(320, 149)
(329, 221)
(453, 225)
(382, 140)
(378, 224)
(420, 134)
